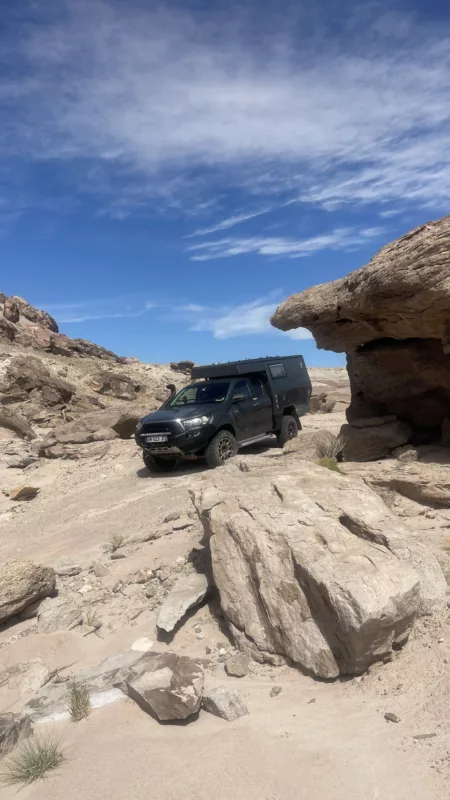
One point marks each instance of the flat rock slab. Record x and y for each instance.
(166, 686)
(224, 703)
(58, 614)
(187, 593)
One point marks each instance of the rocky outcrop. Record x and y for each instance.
(392, 318)
(28, 326)
(22, 583)
(312, 567)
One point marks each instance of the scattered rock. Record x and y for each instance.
(23, 493)
(99, 570)
(21, 584)
(12, 728)
(67, 569)
(117, 587)
(390, 717)
(224, 703)
(173, 515)
(406, 454)
(182, 523)
(58, 614)
(167, 686)
(275, 691)
(142, 645)
(187, 593)
(237, 666)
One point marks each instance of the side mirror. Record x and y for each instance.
(238, 398)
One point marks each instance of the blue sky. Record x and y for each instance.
(170, 171)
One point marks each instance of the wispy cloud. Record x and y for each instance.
(142, 100)
(244, 319)
(337, 239)
(229, 222)
(127, 306)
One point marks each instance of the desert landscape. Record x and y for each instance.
(275, 628)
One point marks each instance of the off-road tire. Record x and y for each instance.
(221, 449)
(159, 463)
(288, 430)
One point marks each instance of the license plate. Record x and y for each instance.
(155, 438)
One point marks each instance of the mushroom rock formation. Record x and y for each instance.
(392, 318)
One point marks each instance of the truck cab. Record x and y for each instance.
(226, 407)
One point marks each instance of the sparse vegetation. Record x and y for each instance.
(31, 761)
(329, 446)
(79, 704)
(329, 463)
(114, 542)
(91, 618)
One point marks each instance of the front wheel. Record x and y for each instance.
(288, 430)
(159, 463)
(221, 449)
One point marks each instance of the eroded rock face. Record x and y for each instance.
(311, 566)
(392, 318)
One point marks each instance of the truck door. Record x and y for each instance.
(262, 416)
(242, 409)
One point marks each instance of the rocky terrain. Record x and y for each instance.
(282, 620)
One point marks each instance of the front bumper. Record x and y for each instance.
(181, 444)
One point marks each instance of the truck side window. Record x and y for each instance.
(277, 370)
(241, 387)
(257, 388)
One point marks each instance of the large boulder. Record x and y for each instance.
(312, 567)
(22, 583)
(371, 438)
(392, 318)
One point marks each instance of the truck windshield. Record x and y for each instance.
(198, 393)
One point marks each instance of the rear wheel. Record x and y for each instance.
(159, 463)
(221, 449)
(288, 430)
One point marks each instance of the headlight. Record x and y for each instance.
(139, 426)
(195, 422)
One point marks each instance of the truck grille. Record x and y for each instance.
(169, 428)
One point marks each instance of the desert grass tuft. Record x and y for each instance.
(31, 761)
(79, 703)
(329, 463)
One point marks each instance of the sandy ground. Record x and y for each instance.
(329, 740)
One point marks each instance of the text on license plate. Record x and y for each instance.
(156, 438)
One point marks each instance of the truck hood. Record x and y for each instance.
(182, 412)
